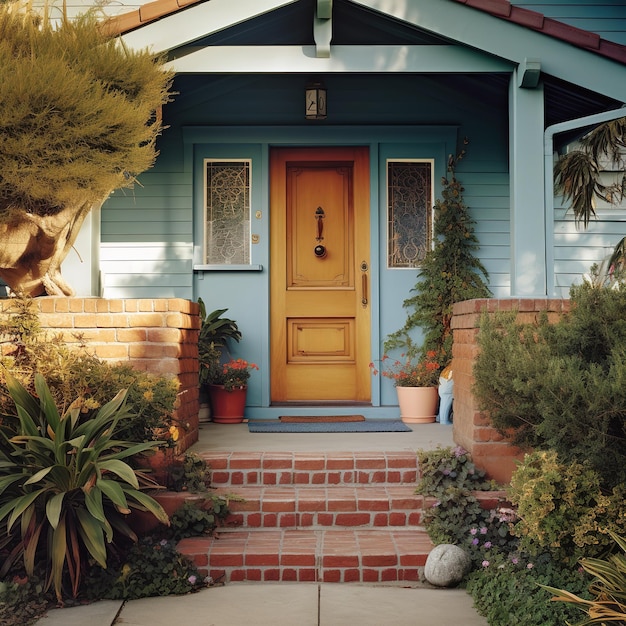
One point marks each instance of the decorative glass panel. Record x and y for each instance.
(227, 212)
(409, 212)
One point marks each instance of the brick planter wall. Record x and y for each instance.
(471, 428)
(158, 336)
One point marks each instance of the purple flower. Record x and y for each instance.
(473, 531)
(459, 451)
(485, 563)
(446, 472)
(192, 579)
(163, 542)
(514, 560)
(475, 542)
(483, 530)
(530, 566)
(487, 544)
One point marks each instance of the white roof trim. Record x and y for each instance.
(198, 21)
(355, 59)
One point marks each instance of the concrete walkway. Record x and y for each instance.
(286, 604)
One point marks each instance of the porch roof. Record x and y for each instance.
(503, 9)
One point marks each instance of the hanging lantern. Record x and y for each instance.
(315, 102)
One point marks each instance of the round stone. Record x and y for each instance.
(446, 565)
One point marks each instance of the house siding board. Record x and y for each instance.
(576, 249)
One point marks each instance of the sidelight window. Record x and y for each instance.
(409, 211)
(227, 211)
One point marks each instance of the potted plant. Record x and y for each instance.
(449, 273)
(228, 391)
(416, 383)
(215, 333)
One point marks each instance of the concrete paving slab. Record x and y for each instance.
(382, 606)
(232, 605)
(102, 613)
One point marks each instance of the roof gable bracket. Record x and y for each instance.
(323, 28)
(528, 73)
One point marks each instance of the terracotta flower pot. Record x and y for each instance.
(227, 407)
(418, 405)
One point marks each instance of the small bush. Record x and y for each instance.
(561, 386)
(562, 509)
(74, 373)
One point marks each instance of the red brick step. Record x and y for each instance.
(345, 555)
(372, 506)
(294, 468)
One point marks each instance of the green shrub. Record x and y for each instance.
(65, 485)
(562, 508)
(561, 386)
(75, 375)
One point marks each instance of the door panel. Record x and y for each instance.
(320, 320)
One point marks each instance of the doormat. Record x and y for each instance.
(307, 419)
(366, 426)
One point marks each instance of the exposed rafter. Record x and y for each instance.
(323, 28)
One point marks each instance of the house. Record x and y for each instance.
(305, 146)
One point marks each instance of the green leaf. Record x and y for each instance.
(47, 404)
(18, 506)
(58, 556)
(121, 469)
(113, 491)
(92, 536)
(93, 500)
(54, 507)
(35, 478)
(150, 504)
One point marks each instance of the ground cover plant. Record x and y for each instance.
(504, 579)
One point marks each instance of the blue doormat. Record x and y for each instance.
(367, 426)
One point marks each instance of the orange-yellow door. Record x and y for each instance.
(320, 288)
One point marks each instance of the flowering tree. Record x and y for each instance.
(77, 120)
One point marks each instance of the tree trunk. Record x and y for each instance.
(33, 247)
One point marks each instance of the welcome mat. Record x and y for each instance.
(306, 419)
(365, 426)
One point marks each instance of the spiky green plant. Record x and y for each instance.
(65, 488)
(609, 588)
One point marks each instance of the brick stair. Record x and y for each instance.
(327, 517)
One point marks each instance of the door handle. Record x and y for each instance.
(364, 286)
(320, 250)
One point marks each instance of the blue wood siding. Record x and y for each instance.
(606, 18)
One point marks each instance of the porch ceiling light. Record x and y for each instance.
(315, 102)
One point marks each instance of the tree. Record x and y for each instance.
(448, 274)
(78, 119)
(577, 173)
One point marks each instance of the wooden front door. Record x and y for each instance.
(320, 289)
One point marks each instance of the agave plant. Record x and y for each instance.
(608, 587)
(65, 488)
